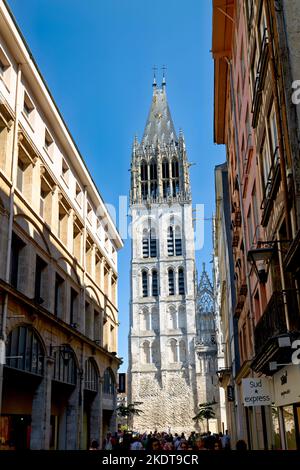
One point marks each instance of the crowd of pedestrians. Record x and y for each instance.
(156, 441)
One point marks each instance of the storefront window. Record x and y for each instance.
(289, 426)
(276, 443)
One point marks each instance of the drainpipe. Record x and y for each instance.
(229, 62)
(10, 226)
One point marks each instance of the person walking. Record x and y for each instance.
(225, 440)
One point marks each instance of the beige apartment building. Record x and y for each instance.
(58, 270)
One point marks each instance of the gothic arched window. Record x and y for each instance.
(165, 169)
(173, 318)
(146, 320)
(109, 382)
(154, 283)
(181, 289)
(153, 179)
(24, 351)
(146, 352)
(165, 178)
(145, 244)
(145, 283)
(178, 241)
(170, 241)
(153, 244)
(91, 376)
(175, 177)
(181, 317)
(149, 243)
(171, 282)
(144, 180)
(182, 351)
(173, 351)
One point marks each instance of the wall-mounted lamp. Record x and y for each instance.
(65, 352)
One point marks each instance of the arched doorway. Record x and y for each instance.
(23, 374)
(109, 402)
(64, 399)
(91, 405)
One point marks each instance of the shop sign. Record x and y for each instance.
(287, 385)
(256, 392)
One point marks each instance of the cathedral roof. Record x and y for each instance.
(159, 127)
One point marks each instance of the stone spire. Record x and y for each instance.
(159, 127)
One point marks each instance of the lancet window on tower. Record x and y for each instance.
(144, 180)
(174, 241)
(147, 352)
(181, 289)
(165, 178)
(175, 177)
(153, 179)
(145, 283)
(149, 243)
(171, 282)
(154, 283)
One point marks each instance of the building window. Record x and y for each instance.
(250, 227)
(165, 178)
(173, 318)
(145, 244)
(20, 175)
(147, 352)
(170, 241)
(178, 242)
(65, 371)
(78, 194)
(153, 179)
(62, 223)
(154, 283)
(40, 268)
(73, 308)
(58, 296)
(89, 213)
(171, 282)
(91, 376)
(144, 180)
(77, 237)
(24, 351)
(17, 246)
(49, 143)
(175, 177)
(153, 244)
(182, 351)
(109, 382)
(4, 67)
(28, 108)
(181, 289)
(145, 283)
(173, 351)
(65, 170)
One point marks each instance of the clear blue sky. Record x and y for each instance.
(97, 57)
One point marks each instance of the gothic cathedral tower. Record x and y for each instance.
(163, 330)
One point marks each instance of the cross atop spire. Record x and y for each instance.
(154, 68)
(164, 68)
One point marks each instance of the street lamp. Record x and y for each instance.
(260, 258)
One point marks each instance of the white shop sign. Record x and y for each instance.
(287, 385)
(256, 392)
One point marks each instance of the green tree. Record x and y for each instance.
(129, 411)
(205, 412)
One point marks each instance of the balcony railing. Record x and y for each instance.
(260, 77)
(273, 321)
(271, 188)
